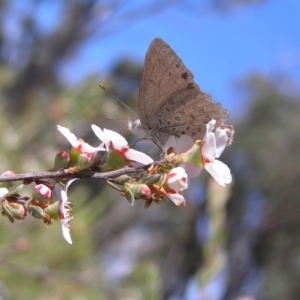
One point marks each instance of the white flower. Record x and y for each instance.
(176, 182)
(64, 209)
(180, 145)
(210, 148)
(77, 143)
(113, 140)
(213, 145)
(177, 179)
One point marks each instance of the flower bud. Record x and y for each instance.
(85, 160)
(129, 195)
(136, 192)
(36, 211)
(121, 179)
(153, 179)
(177, 179)
(74, 155)
(42, 194)
(7, 184)
(13, 210)
(175, 182)
(115, 160)
(62, 160)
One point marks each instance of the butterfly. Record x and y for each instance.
(170, 102)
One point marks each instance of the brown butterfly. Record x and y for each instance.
(170, 102)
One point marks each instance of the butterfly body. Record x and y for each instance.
(170, 102)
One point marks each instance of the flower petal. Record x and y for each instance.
(219, 171)
(221, 141)
(179, 144)
(210, 125)
(101, 135)
(76, 143)
(68, 135)
(209, 149)
(58, 188)
(177, 198)
(117, 139)
(66, 230)
(171, 141)
(63, 196)
(86, 148)
(63, 201)
(69, 182)
(108, 136)
(134, 155)
(191, 171)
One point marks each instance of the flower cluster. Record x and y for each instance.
(203, 154)
(160, 184)
(81, 156)
(155, 182)
(40, 205)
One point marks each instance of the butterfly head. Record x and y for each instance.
(134, 126)
(139, 130)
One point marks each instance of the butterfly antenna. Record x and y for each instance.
(116, 98)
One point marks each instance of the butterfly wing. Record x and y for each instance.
(164, 73)
(170, 102)
(187, 112)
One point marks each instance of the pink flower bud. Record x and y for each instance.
(7, 184)
(42, 194)
(62, 160)
(136, 191)
(85, 160)
(8, 173)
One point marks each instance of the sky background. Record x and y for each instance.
(220, 49)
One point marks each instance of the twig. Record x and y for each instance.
(69, 173)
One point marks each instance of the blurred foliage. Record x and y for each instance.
(123, 252)
(264, 208)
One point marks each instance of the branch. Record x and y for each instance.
(69, 173)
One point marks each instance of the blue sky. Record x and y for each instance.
(219, 48)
